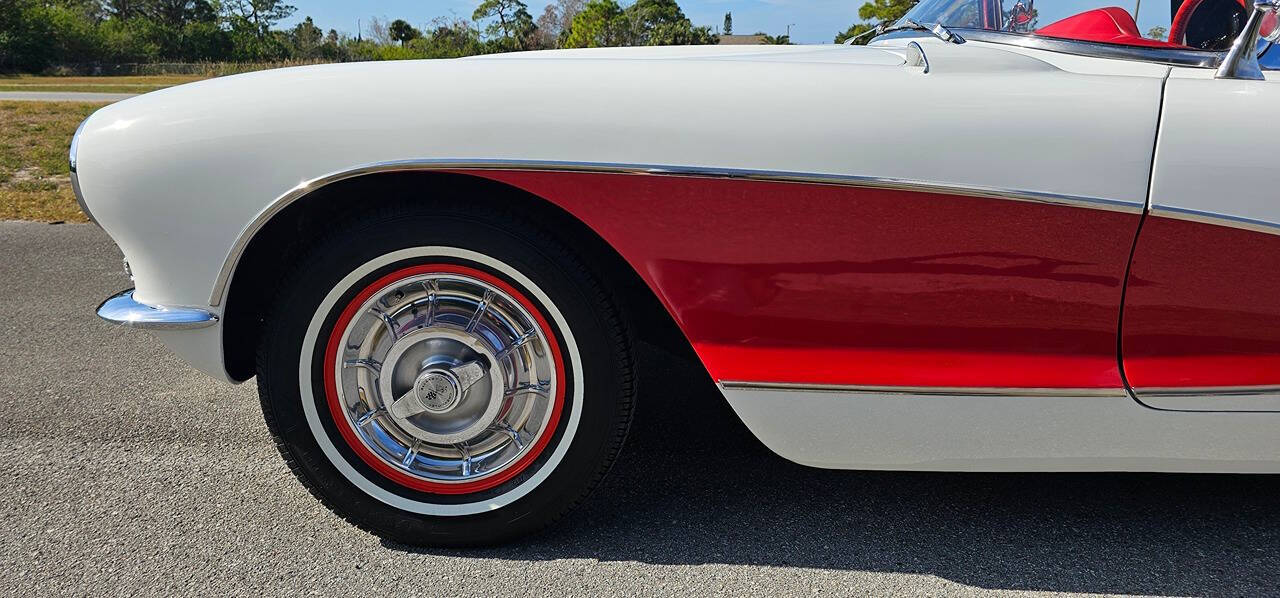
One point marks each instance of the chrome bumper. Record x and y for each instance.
(124, 310)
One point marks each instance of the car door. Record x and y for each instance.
(1201, 322)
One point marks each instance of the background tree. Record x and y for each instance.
(853, 31)
(88, 35)
(378, 30)
(555, 22)
(1159, 33)
(781, 40)
(512, 27)
(123, 9)
(306, 39)
(599, 24)
(873, 13)
(260, 15)
(728, 23)
(401, 31)
(662, 23)
(250, 23)
(449, 39)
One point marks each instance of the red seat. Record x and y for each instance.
(1111, 25)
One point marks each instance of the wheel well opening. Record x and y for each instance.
(280, 242)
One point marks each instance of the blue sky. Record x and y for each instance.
(815, 21)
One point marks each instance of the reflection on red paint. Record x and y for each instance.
(809, 283)
(1202, 308)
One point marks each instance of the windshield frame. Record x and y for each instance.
(1189, 57)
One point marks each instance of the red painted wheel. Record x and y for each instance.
(446, 378)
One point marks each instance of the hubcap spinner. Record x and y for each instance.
(436, 406)
(437, 391)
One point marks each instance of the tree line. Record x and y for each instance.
(36, 35)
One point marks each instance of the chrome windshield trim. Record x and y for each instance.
(1169, 56)
(280, 203)
(1249, 224)
(945, 391)
(124, 310)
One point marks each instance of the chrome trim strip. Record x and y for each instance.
(84, 207)
(1207, 391)
(949, 391)
(1258, 226)
(124, 310)
(1170, 56)
(280, 203)
(75, 177)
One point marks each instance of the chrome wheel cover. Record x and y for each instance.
(447, 378)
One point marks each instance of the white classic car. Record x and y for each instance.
(1005, 236)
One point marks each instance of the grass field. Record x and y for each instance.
(138, 84)
(35, 180)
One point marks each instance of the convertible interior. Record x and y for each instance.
(1200, 24)
(1179, 24)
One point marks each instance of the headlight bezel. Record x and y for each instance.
(75, 177)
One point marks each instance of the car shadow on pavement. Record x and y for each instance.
(694, 487)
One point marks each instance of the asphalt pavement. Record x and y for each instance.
(64, 96)
(127, 472)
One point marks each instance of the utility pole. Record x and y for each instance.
(789, 30)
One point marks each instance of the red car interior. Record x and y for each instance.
(1111, 25)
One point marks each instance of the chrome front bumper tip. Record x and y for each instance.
(123, 309)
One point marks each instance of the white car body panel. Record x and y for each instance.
(213, 155)
(181, 177)
(1211, 117)
(903, 431)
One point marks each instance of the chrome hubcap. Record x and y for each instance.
(445, 377)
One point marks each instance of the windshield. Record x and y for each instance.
(1183, 24)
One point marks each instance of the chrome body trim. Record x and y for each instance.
(956, 391)
(124, 310)
(1203, 391)
(75, 178)
(1169, 56)
(75, 145)
(1220, 399)
(919, 59)
(250, 230)
(1259, 226)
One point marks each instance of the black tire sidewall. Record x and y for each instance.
(602, 359)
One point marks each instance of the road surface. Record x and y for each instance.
(126, 472)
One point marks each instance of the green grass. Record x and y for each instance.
(131, 84)
(35, 180)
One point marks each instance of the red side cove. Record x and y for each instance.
(825, 284)
(1203, 307)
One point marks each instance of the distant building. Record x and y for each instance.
(741, 40)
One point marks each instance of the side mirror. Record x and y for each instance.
(1241, 61)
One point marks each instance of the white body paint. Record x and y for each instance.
(177, 177)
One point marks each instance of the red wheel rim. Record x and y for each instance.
(401, 477)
